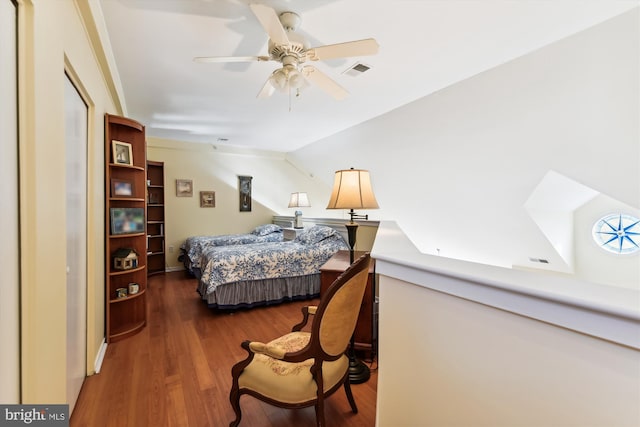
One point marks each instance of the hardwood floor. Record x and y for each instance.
(177, 371)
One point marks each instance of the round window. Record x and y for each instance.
(617, 233)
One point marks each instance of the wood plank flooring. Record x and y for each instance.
(177, 371)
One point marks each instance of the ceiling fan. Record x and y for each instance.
(292, 51)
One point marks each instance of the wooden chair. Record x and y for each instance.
(301, 369)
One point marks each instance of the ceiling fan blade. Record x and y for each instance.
(324, 82)
(211, 59)
(267, 90)
(271, 23)
(342, 50)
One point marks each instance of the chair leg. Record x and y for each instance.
(352, 402)
(234, 398)
(320, 412)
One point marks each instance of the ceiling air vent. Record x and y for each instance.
(543, 261)
(356, 69)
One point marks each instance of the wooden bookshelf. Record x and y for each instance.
(155, 218)
(125, 226)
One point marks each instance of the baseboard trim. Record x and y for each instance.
(100, 356)
(171, 269)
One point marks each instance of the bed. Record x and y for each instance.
(193, 247)
(243, 276)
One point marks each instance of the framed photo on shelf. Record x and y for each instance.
(127, 220)
(207, 199)
(184, 188)
(122, 153)
(121, 188)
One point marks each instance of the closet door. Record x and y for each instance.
(9, 211)
(76, 204)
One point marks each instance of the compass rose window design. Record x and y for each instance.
(617, 233)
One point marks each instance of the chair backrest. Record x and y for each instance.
(337, 313)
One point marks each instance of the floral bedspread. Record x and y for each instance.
(195, 246)
(302, 256)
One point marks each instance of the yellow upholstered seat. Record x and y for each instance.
(286, 381)
(301, 368)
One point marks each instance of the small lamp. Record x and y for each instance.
(352, 190)
(298, 200)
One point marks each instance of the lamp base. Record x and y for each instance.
(352, 230)
(358, 371)
(297, 222)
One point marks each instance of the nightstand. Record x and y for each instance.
(364, 334)
(291, 233)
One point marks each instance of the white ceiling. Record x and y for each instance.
(424, 46)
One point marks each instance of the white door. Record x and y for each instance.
(76, 182)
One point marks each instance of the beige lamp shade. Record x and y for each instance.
(352, 190)
(299, 200)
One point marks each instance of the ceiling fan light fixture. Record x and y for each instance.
(296, 79)
(279, 79)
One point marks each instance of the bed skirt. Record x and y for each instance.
(252, 293)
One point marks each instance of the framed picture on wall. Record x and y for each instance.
(122, 153)
(207, 199)
(244, 188)
(184, 188)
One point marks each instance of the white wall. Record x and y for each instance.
(56, 40)
(468, 364)
(455, 168)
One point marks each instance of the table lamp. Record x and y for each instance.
(298, 200)
(352, 190)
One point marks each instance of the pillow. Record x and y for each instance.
(263, 230)
(315, 234)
